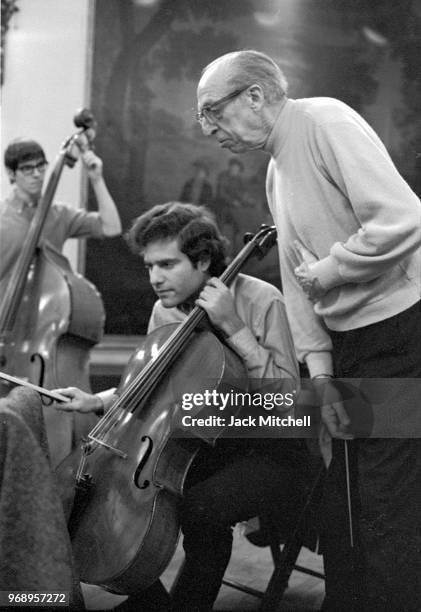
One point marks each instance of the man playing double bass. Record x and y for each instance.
(237, 479)
(26, 164)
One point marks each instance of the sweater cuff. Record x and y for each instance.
(319, 363)
(327, 273)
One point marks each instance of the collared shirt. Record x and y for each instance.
(63, 222)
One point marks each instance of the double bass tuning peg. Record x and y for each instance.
(84, 119)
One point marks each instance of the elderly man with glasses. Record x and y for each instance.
(26, 165)
(349, 239)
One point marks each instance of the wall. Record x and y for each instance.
(46, 79)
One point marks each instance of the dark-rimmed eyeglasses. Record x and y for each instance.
(29, 169)
(212, 112)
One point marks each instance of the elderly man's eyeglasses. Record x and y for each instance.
(212, 112)
(29, 169)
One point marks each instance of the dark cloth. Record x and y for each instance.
(229, 195)
(383, 570)
(153, 599)
(35, 551)
(226, 485)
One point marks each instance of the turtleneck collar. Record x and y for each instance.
(280, 128)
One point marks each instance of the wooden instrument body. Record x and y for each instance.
(49, 316)
(135, 500)
(59, 318)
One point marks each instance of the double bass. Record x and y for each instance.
(130, 473)
(50, 316)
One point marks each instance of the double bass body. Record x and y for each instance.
(49, 316)
(59, 319)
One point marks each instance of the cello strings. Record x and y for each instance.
(144, 382)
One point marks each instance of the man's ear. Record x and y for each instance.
(204, 264)
(11, 175)
(256, 96)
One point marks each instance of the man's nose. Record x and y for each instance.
(155, 276)
(208, 128)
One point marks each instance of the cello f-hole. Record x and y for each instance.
(143, 461)
(38, 357)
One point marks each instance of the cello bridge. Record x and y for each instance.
(117, 451)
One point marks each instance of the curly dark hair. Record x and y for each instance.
(193, 226)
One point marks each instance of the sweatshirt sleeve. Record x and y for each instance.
(311, 340)
(387, 210)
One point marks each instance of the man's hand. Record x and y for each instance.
(93, 165)
(333, 412)
(304, 275)
(216, 299)
(80, 401)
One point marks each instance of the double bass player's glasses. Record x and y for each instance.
(29, 169)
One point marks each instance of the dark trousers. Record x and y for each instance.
(383, 569)
(229, 484)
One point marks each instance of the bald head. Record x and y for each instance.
(240, 69)
(239, 97)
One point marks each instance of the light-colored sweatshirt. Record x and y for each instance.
(332, 185)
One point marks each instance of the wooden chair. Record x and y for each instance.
(285, 554)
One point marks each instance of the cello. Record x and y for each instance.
(128, 479)
(50, 316)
